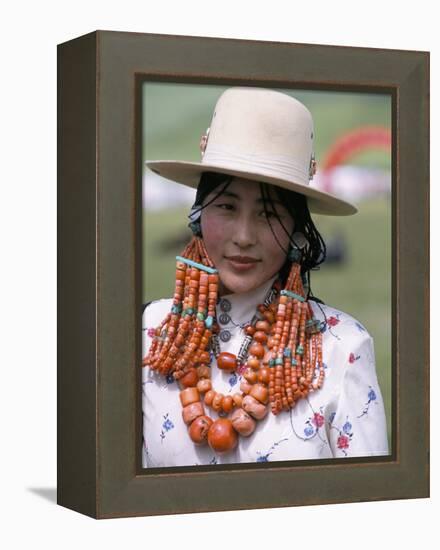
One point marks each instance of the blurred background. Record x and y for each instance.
(353, 153)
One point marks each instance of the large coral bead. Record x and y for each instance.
(227, 361)
(198, 430)
(221, 436)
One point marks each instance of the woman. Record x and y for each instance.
(243, 364)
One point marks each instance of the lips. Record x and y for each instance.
(242, 259)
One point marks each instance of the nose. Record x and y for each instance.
(244, 232)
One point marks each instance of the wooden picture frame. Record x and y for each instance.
(99, 252)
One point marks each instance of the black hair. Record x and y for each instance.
(313, 254)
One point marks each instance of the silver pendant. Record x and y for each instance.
(225, 305)
(224, 319)
(225, 335)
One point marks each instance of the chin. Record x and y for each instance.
(237, 285)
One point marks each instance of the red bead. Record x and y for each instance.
(198, 430)
(189, 379)
(257, 350)
(260, 337)
(227, 361)
(221, 436)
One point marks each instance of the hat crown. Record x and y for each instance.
(262, 128)
(261, 135)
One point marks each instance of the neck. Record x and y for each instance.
(225, 291)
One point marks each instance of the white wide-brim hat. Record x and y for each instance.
(262, 135)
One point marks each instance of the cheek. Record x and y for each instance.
(213, 234)
(281, 237)
(274, 252)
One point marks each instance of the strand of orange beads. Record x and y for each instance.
(157, 341)
(316, 341)
(191, 329)
(188, 313)
(283, 357)
(277, 382)
(164, 339)
(201, 333)
(281, 394)
(198, 291)
(292, 346)
(161, 356)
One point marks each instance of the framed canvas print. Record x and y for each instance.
(243, 274)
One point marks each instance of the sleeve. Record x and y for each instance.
(150, 320)
(357, 422)
(145, 346)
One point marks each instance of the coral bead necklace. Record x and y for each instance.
(281, 353)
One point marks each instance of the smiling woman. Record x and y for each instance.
(243, 363)
(245, 249)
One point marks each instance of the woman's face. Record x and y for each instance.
(238, 237)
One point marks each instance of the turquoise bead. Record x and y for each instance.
(300, 350)
(209, 321)
(287, 352)
(278, 361)
(200, 316)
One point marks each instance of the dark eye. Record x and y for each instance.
(225, 206)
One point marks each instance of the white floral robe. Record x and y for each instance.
(345, 418)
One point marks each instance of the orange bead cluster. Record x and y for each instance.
(295, 346)
(284, 353)
(182, 339)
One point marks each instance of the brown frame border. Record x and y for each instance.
(99, 251)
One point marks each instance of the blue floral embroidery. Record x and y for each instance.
(331, 417)
(360, 327)
(312, 426)
(233, 379)
(309, 430)
(265, 457)
(170, 379)
(371, 398)
(346, 428)
(167, 426)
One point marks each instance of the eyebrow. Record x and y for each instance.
(260, 200)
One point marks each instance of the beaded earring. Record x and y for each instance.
(280, 359)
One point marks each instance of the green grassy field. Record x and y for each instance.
(361, 286)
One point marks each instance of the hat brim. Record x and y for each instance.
(188, 173)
